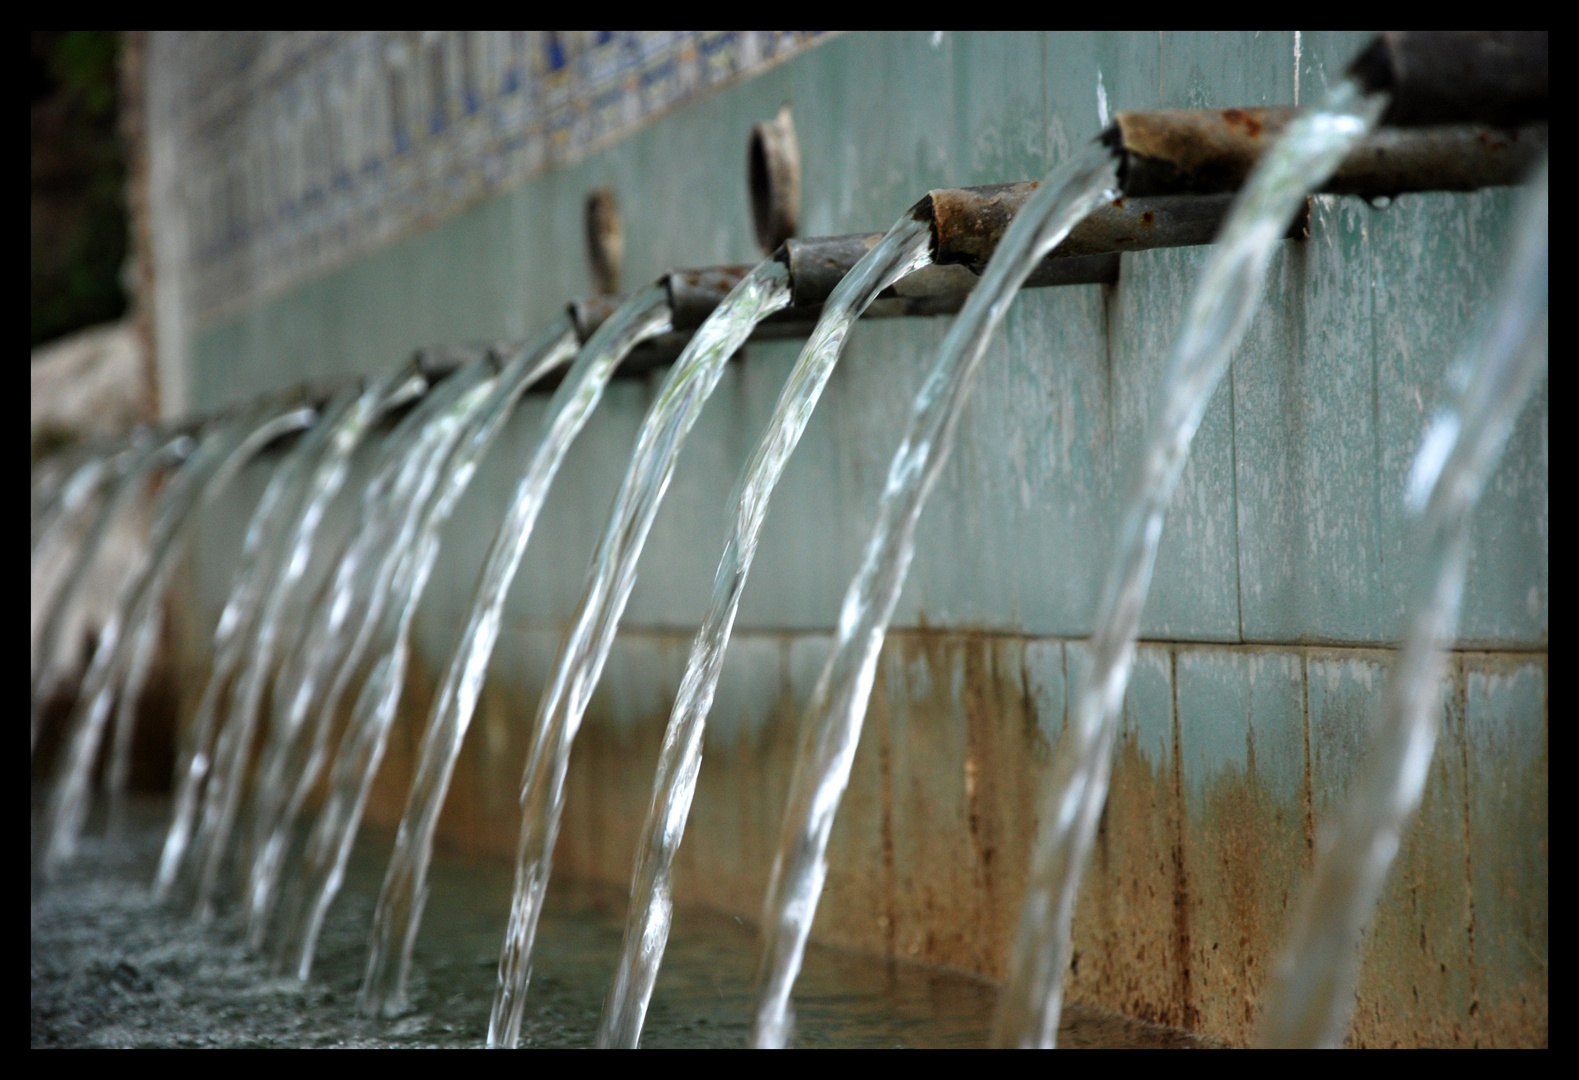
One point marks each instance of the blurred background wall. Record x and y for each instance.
(92, 369)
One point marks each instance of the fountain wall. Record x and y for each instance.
(1279, 586)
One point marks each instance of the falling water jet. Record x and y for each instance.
(306, 686)
(362, 747)
(220, 454)
(905, 249)
(74, 499)
(328, 652)
(267, 532)
(612, 575)
(118, 772)
(273, 561)
(384, 589)
(833, 718)
(129, 489)
(400, 902)
(78, 501)
(130, 678)
(54, 477)
(1309, 150)
(1312, 993)
(390, 574)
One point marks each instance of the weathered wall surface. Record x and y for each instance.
(1278, 588)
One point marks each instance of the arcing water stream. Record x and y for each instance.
(389, 573)
(905, 249)
(66, 512)
(218, 457)
(612, 575)
(399, 912)
(324, 464)
(70, 489)
(362, 747)
(306, 687)
(263, 548)
(833, 724)
(1313, 993)
(146, 457)
(1301, 160)
(118, 772)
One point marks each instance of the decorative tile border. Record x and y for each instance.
(299, 151)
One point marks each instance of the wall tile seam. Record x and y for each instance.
(661, 632)
(1233, 488)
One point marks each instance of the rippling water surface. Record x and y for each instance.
(112, 968)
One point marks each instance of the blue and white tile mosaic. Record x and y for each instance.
(301, 150)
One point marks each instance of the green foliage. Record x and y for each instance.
(83, 64)
(79, 226)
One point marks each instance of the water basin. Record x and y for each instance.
(112, 968)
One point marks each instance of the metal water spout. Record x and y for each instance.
(1452, 76)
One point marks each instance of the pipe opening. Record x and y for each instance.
(605, 240)
(773, 179)
(1497, 77)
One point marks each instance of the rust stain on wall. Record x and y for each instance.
(1129, 953)
(1247, 855)
(1183, 904)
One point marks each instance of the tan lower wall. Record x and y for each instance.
(1195, 862)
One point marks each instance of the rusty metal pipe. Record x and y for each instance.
(437, 362)
(1453, 76)
(693, 294)
(1211, 151)
(967, 224)
(1180, 170)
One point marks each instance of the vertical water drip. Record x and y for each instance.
(905, 249)
(400, 900)
(362, 748)
(833, 718)
(1313, 990)
(613, 573)
(306, 688)
(1303, 157)
(219, 456)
